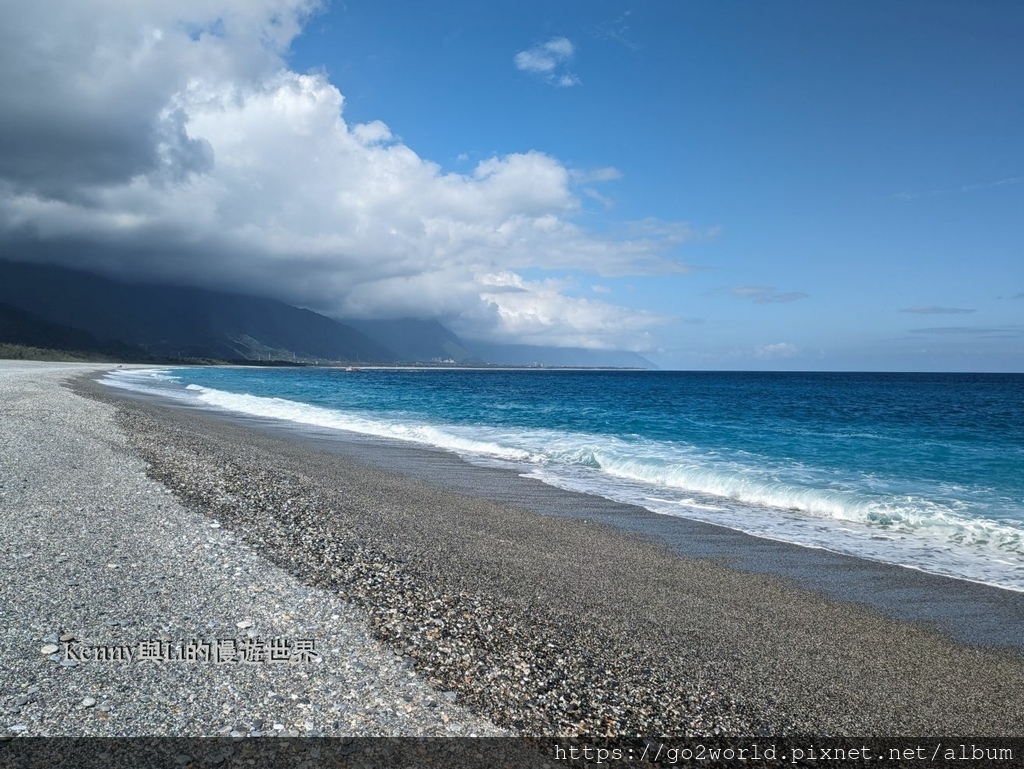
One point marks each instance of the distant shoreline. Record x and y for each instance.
(17, 352)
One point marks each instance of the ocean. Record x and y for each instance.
(921, 470)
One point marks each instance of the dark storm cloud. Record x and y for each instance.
(170, 142)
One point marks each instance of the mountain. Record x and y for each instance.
(422, 341)
(534, 355)
(178, 322)
(62, 308)
(19, 327)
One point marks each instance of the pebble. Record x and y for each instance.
(523, 673)
(76, 514)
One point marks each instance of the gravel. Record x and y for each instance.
(95, 554)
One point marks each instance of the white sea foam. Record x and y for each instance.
(305, 414)
(858, 516)
(152, 381)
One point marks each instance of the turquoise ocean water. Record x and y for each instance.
(922, 470)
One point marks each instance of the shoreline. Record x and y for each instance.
(843, 511)
(970, 611)
(564, 625)
(436, 611)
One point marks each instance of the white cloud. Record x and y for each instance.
(374, 132)
(974, 187)
(778, 350)
(606, 174)
(549, 61)
(1008, 332)
(766, 294)
(933, 310)
(538, 312)
(597, 175)
(617, 30)
(171, 141)
(990, 185)
(604, 200)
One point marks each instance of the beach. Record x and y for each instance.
(433, 609)
(96, 553)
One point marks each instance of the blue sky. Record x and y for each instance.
(717, 185)
(854, 162)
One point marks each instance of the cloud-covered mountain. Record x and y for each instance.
(417, 341)
(177, 321)
(533, 355)
(59, 308)
(28, 330)
(171, 143)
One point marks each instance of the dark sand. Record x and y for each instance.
(551, 612)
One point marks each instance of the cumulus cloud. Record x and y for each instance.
(933, 310)
(779, 350)
(549, 61)
(766, 294)
(89, 90)
(171, 142)
(539, 311)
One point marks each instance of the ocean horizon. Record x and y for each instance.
(920, 470)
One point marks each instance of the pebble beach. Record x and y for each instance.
(96, 554)
(429, 612)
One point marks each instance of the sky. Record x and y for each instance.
(716, 185)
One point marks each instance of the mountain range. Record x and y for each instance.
(61, 308)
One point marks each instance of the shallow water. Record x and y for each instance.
(922, 470)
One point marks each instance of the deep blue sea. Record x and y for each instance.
(923, 470)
